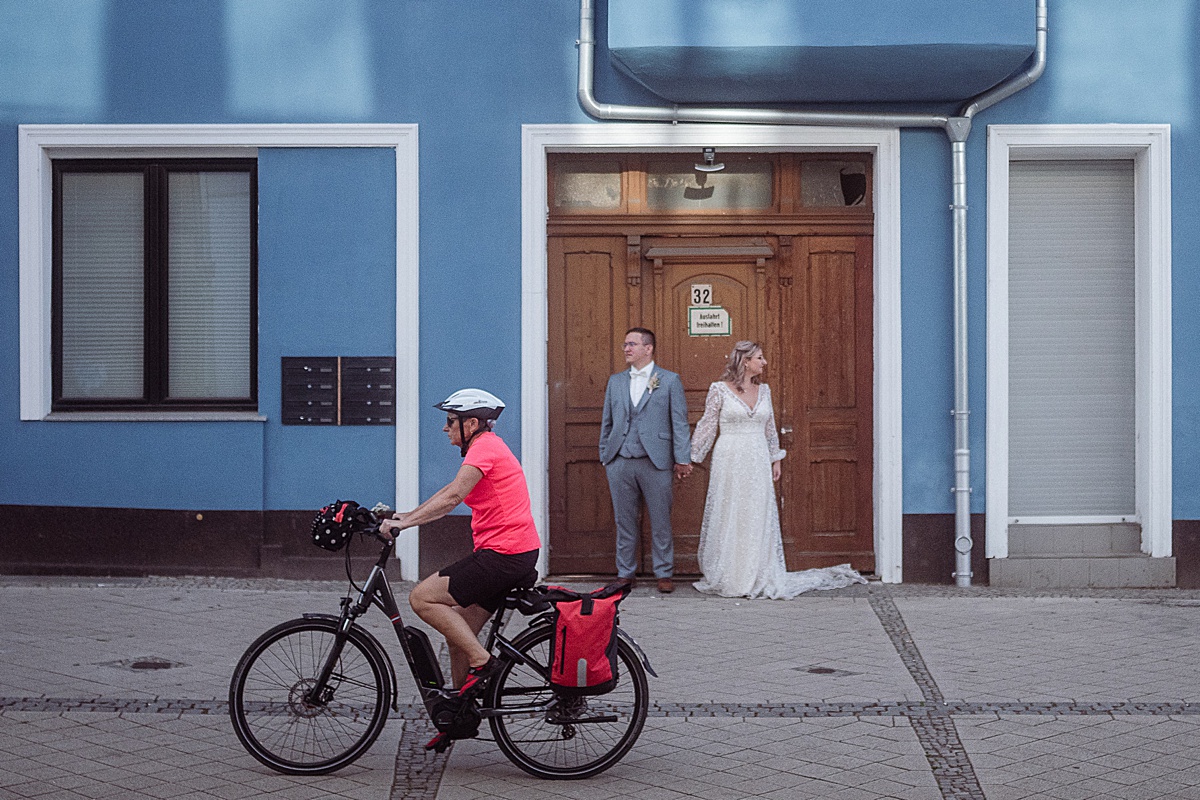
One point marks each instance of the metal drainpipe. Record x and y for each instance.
(962, 432)
(957, 129)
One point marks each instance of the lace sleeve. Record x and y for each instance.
(772, 432)
(706, 429)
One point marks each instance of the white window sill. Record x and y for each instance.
(154, 416)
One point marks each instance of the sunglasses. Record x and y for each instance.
(451, 419)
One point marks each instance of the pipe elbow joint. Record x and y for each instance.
(589, 105)
(958, 128)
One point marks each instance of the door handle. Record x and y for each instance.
(786, 430)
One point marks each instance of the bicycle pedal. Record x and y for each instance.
(438, 743)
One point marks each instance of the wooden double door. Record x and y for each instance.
(806, 295)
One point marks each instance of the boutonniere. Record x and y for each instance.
(652, 384)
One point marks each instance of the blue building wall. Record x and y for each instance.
(926, 294)
(470, 73)
(1108, 62)
(327, 287)
(327, 220)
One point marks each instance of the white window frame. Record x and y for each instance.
(37, 145)
(537, 141)
(1149, 148)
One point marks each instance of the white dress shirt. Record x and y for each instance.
(638, 380)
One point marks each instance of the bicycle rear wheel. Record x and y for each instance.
(561, 743)
(273, 715)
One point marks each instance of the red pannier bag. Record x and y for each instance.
(583, 655)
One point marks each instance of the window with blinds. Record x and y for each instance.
(1072, 423)
(154, 284)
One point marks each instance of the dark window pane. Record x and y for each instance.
(826, 184)
(209, 284)
(103, 270)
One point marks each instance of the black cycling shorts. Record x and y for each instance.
(485, 576)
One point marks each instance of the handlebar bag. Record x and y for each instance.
(583, 655)
(334, 524)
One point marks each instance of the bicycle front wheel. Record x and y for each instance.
(276, 718)
(578, 736)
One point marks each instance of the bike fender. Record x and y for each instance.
(637, 648)
(366, 634)
(542, 619)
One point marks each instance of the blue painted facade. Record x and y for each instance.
(469, 74)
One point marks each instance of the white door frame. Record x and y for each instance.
(1149, 147)
(539, 140)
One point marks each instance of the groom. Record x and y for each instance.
(643, 439)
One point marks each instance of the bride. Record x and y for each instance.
(741, 550)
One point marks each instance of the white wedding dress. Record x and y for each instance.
(741, 549)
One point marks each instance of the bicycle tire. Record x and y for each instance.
(555, 750)
(285, 732)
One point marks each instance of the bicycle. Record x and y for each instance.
(311, 695)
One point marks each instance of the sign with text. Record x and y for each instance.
(709, 321)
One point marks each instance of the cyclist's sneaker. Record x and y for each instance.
(478, 677)
(462, 727)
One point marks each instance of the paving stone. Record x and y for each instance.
(872, 691)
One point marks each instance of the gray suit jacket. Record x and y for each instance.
(662, 419)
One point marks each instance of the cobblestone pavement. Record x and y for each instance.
(117, 688)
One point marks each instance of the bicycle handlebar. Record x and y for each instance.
(379, 513)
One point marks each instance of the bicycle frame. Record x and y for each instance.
(377, 591)
(311, 695)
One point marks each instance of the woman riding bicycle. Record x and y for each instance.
(458, 600)
(312, 694)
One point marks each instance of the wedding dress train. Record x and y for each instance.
(741, 549)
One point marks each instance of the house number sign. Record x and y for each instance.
(704, 317)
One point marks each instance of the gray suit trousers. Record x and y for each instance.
(630, 480)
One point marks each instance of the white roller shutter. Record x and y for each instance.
(1071, 339)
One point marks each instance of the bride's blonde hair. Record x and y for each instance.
(735, 366)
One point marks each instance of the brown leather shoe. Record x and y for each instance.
(666, 585)
(630, 582)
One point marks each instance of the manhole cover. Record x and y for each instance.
(839, 673)
(143, 663)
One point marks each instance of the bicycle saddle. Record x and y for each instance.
(527, 601)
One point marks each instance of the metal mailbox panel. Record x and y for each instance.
(309, 391)
(368, 390)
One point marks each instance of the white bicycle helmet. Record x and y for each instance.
(483, 406)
